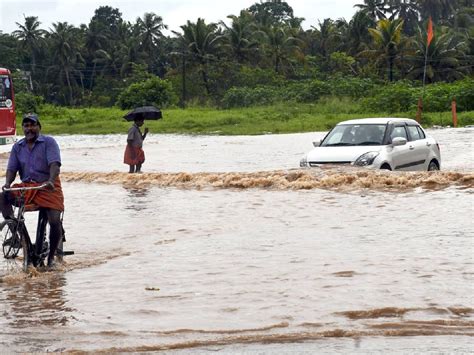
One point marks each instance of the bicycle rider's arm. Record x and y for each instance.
(10, 176)
(53, 173)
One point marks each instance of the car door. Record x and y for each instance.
(400, 155)
(421, 148)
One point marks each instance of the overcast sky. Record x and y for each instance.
(174, 12)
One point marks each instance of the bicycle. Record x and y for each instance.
(16, 236)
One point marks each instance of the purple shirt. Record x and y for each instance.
(33, 165)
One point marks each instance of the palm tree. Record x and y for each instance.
(438, 10)
(31, 38)
(128, 54)
(358, 35)
(239, 37)
(8, 48)
(203, 42)
(325, 37)
(95, 42)
(446, 57)
(65, 47)
(387, 37)
(375, 9)
(281, 46)
(408, 11)
(149, 33)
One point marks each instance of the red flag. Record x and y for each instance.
(429, 35)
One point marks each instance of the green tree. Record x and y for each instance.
(149, 34)
(31, 38)
(272, 12)
(153, 91)
(65, 48)
(440, 11)
(203, 42)
(375, 9)
(281, 47)
(358, 34)
(109, 20)
(387, 38)
(9, 57)
(342, 63)
(110, 32)
(408, 11)
(95, 44)
(325, 36)
(446, 57)
(240, 37)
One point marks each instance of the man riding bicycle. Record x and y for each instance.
(37, 159)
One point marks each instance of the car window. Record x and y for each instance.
(340, 135)
(399, 131)
(420, 132)
(414, 133)
(335, 136)
(357, 134)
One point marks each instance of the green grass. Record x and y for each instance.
(283, 118)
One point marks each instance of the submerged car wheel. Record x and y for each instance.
(433, 166)
(385, 167)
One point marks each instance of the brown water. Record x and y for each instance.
(224, 245)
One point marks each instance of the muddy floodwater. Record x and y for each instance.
(224, 244)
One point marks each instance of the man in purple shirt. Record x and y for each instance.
(37, 160)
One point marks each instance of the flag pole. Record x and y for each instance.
(424, 70)
(420, 99)
(429, 37)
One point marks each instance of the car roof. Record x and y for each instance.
(380, 120)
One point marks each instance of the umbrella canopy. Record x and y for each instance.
(145, 112)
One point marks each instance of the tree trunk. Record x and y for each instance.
(205, 78)
(70, 88)
(33, 65)
(92, 78)
(390, 70)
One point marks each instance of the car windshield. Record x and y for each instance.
(355, 134)
(5, 90)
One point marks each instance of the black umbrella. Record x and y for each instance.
(145, 112)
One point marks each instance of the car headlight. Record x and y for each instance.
(366, 159)
(303, 162)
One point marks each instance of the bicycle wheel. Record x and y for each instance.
(11, 244)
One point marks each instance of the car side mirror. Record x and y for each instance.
(316, 143)
(399, 141)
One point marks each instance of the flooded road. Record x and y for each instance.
(224, 244)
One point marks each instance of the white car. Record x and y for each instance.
(377, 143)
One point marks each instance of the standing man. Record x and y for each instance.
(134, 155)
(37, 159)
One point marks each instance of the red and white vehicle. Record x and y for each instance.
(7, 108)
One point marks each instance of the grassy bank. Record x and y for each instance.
(246, 121)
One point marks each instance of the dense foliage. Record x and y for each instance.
(258, 57)
(153, 91)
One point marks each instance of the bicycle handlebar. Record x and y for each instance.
(25, 188)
